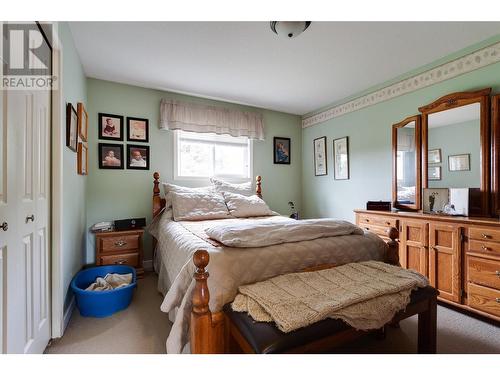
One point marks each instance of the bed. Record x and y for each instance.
(194, 301)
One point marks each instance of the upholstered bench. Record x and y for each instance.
(248, 336)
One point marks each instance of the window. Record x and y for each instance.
(201, 155)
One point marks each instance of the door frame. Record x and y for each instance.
(57, 139)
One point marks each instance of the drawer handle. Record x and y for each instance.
(387, 223)
(497, 273)
(497, 299)
(120, 243)
(485, 248)
(367, 228)
(121, 261)
(367, 220)
(486, 236)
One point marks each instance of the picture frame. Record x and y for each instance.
(111, 156)
(83, 159)
(110, 127)
(320, 157)
(459, 163)
(83, 121)
(282, 150)
(434, 173)
(341, 158)
(71, 127)
(435, 199)
(137, 129)
(434, 156)
(138, 157)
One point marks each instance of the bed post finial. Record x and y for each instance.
(156, 183)
(201, 317)
(258, 186)
(392, 255)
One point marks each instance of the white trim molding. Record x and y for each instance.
(465, 64)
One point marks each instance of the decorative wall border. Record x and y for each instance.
(475, 60)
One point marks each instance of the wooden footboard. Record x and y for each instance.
(209, 332)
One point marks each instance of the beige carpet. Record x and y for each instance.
(143, 328)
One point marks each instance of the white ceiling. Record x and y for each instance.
(245, 62)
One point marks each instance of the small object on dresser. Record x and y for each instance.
(103, 226)
(378, 205)
(126, 224)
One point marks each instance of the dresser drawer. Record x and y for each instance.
(131, 259)
(378, 230)
(118, 243)
(484, 234)
(484, 299)
(377, 220)
(484, 247)
(484, 271)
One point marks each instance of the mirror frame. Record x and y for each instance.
(418, 166)
(456, 100)
(495, 149)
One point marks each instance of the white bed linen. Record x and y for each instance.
(231, 267)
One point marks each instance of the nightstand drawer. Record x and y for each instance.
(118, 243)
(131, 259)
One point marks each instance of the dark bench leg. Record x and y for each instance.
(427, 330)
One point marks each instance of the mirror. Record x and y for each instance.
(406, 163)
(456, 146)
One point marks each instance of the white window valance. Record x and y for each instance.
(210, 119)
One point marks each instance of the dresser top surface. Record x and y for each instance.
(445, 218)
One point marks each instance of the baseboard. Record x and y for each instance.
(147, 265)
(67, 314)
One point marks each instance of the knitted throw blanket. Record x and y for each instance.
(365, 295)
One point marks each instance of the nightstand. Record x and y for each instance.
(120, 247)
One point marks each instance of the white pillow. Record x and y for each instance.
(243, 189)
(167, 188)
(242, 206)
(198, 206)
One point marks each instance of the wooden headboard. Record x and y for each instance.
(159, 202)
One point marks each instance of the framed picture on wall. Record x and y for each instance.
(137, 157)
(71, 127)
(281, 147)
(83, 158)
(83, 121)
(434, 156)
(137, 129)
(110, 127)
(320, 161)
(457, 163)
(434, 173)
(110, 156)
(341, 158)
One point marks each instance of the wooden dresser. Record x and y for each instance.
(120, 247)
(459, 255)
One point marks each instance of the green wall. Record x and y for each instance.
(455, 139)
(118, 194)
(369, 132)
(74, 85)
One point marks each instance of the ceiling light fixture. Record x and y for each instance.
(289, 29)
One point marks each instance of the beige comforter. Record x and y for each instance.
(232, 267)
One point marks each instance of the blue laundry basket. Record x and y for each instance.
(100, 304)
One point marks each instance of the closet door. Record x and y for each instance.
(24, 204)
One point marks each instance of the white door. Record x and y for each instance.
(24, 205)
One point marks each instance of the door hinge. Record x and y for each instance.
(463, 294)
